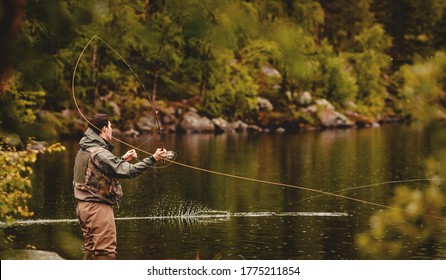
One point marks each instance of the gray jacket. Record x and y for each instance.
(111, 165)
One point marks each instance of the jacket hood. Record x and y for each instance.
(92, 139)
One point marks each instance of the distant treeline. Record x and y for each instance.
(375, 59)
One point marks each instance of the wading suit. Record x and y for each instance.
(96, 187)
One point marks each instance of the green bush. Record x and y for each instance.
(421, 88)
(233, 93)
(413, 219)
(15, 182)
(335, 79)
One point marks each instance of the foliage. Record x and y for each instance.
(15, 182)
(18, 106)
(422, 88)
(344, 20)
(414, 219)
(370, 64)
(343, 50)
(256, 56)
(234, 93)
(334, 80)
(290, 44)
(310, 15)
(415, 27)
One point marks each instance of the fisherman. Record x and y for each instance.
(96, 185)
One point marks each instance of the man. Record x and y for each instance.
(96, 186)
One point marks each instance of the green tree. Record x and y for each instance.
(371, 63)
(44, 53)
(15, 182)
(413, 25)
(212, 27)
(288, 37)
(334, 80)
(234, 94)
(421, 87)
(309, 15)
(415, 217)
(345, 19)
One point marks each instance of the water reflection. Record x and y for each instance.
(331, 161)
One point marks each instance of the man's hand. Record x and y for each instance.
(160, 153)
(130, 155)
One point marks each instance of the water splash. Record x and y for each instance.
(166, 206)
(192, 214)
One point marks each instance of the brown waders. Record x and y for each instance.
(97, 222)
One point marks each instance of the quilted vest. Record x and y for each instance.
(96, 181)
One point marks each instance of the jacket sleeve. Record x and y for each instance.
(116, 167)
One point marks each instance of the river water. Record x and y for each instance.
(181, 213)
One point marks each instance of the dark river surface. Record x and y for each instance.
(181, 213)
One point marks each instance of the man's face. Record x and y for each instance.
(107, 132)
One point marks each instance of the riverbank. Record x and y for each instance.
(182, 117)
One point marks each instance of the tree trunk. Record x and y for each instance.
(284, 83)
(94, 63)
(204, 69)
(155, 82)
(147, 10)
(203, 87)
(11, 17)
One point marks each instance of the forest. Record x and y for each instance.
(266, 64)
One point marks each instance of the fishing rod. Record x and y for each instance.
(200, 169)
(171, 155)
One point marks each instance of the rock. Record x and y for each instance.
(240, 126)
(131, 133)
(147, 123)
(254, 128)
(193, 110)
(352, 105)
(222, 125)
(170, 110)
(332, 118)
(29, 255)
(168, 115)
(168, 119)
(271, 72)
(36, 145)
(324, 103)
(11, 140)
(329, 117)
(192, 123)
(115, 107)
(310, 109)
(359, 120)
(264, 104)
(304, 98)
(74, 123)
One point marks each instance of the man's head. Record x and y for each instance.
(100, 123)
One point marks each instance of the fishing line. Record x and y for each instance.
(148, 139)
(371, 185)
(321, 192)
